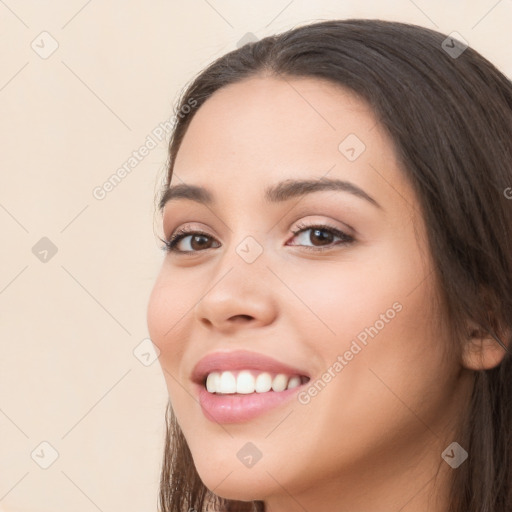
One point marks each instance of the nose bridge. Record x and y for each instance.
(242, 267)
(238, 286)
(247, 250)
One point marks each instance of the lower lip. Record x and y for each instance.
(242, 407)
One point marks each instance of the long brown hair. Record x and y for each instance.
(448, 111)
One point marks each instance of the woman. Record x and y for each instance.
(334, 310)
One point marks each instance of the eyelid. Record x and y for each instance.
(188, 226)
(184, 231)
(323, 220)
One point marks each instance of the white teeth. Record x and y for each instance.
(213, 382)
(227, 383)
(263, 383)
(279, 382)
(293, 382)
(245, 382)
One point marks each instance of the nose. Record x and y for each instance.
(237, 296)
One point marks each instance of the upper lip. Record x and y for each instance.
(240, 360)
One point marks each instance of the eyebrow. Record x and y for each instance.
(280, 192)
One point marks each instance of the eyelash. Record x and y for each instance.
(170, 245)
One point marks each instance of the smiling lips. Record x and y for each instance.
(239, 385)
(241, 371)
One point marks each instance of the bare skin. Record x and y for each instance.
(372, 437)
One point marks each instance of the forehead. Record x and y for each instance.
(276, 115)
(253, 133)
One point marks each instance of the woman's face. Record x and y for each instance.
(352, 312)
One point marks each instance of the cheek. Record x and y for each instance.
(163, 318)
(387, 359)
(167, 313)
(340, 299)
(382, 392)
(367, 319)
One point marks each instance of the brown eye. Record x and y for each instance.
(187, 241)
(198, 242)
(320, 237)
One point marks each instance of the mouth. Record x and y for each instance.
(238, 386)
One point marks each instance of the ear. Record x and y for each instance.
(481, 351)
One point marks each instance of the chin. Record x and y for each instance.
(232, 480)
(236, 487)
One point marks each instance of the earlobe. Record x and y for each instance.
(482, 351)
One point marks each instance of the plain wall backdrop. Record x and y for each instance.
(84, 84)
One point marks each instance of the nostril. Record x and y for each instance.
(241, 317)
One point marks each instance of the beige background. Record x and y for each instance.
(69, 325)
